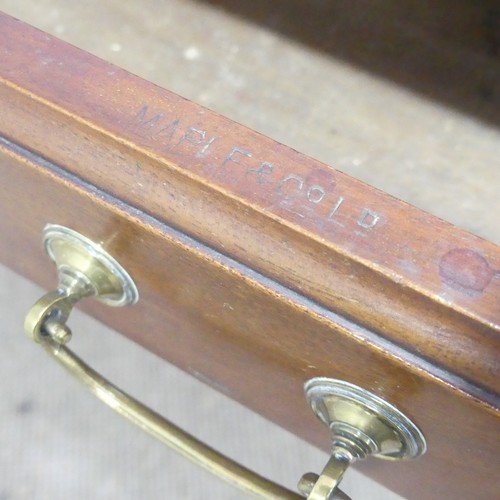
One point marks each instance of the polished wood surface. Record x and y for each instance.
(281, 241)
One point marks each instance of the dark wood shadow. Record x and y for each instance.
(446, 50)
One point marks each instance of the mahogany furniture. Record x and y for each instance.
(253, 258)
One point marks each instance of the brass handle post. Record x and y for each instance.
(360, 423)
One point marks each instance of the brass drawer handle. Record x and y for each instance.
(360, 423)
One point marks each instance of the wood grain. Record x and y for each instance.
(225, 184)
(300, 270)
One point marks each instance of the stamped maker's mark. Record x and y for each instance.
(315, 197)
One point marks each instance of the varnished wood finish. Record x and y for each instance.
(253, 259)
(135, 140)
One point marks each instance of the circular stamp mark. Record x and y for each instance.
(466, 270)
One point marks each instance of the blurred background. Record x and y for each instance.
(404, 95)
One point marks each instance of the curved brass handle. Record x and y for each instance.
(153, 423)
(369, 425)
